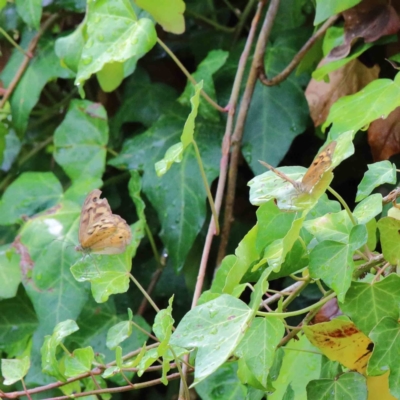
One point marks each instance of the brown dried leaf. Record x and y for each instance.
(384, 136)
(327, 312)
(370, 20)
(346, 80)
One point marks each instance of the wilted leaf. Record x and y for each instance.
(384, 136)
(348, 79)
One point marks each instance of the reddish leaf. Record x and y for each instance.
(384, 136)
(370, 20)
(346, 80)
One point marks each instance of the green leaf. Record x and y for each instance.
(223, 325)
(29, 194)
(162, 327)
(358, 49)
(69, 48)
(377, 100)
(350, 386)
(42, 68)
(13, 146)
(368, 208)
(183, 185)
(118, 333)
(367, 303)
(114, 35)
(169, 14)
(143, 101)
(135, 187)
(205, 70)
(10, 272)
(79, 362)
(14, 370)
(293, 372)
(175, 152)
(275, 253)
(30, 11)
(246, 253)
(284, 104)
(328, 8)
(378, 173)
(222, 384)
(3, 135)
(258, 354)
(108, 274)
(333, 261)
(82, 135)
(335, 226)
(110, 76)
(384, 357)
(18, 319)
(47, 239)
(389, 229)
(50, 364)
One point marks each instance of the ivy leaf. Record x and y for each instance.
(169, 14)
(205, 70)
(349, 386)
(333, 262)
(285, 104)
(175, 152)
(259, 356)
(79, 362)
(162, 327)
(30, 11)
(118, 333)
(50, 364)
(368, 208)
(335, 226)
(378, 173)
(107, 274)
(215, 329)
(82, 135)
(114, 36)
(367, 303)
(360, 109)
(389, 229)
(183, 185)
(10, 272)
(386, 340)
(328, 8)
(44, 67)
(29, 194)
(16, 327)
(14, 370)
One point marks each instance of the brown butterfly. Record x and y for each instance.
(101, 231)
(313, 175)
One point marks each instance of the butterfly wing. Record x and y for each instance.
(115, 241)
(100, 231)
(318, 167)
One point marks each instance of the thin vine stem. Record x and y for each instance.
(14, 43)
(344, 204)
(188, 76)
(207, 187)
(140, 287)
(298, 312)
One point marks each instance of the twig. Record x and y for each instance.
(25, 62)
(297, 58)
(224, 162)
(367, 266)
(288, 290)
(239, 127)
(380, 272)
(214, 24)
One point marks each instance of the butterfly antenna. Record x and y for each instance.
(267, 165)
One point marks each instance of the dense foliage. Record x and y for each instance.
(168, 106)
